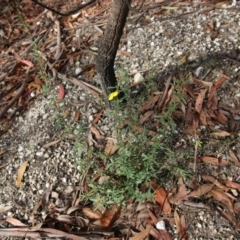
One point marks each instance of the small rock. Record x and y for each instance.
(39, 154)
(20, 148)
(199, 225)
(161, 225)
(78, 70)
(138, 77)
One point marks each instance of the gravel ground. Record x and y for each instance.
(158, 40)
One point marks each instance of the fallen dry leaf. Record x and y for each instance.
(181, 193)
(215, 182)
(222, 197)
(110, 147)
(200, 191)
(154, 219)
(143, 234)
(231, 184)
(234, 158)
(220, 133)
(92, 214)
(21, 171)
(149, 104)
(77, 115)
(160, 234)
(61, 92)
(183, 233)
(110, 215)
(96, 132)
(218, 83)
(97, 118)
(214, 161)
(28, 63)
(221, 118)
(15, 222)
(146, 116)
(124, 53)
(212, 102)
(66, 219)
(202, 118)
(199, 100)
(181, 226)
(162, 198)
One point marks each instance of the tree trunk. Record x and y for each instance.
(109, 45)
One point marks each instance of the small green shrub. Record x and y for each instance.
(140, 157)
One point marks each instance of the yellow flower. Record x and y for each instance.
(113, 95)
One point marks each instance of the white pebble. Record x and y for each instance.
(78, 70)
(161, 225)
(39, 154)
(20, 148)
(138, 77)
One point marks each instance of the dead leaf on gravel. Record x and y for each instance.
(212, 102)
(143, 234)
(160, 234)
(200, 191)
(21, 171)
(202, 118)
(73, 209)
(110, 147)
(146, 116)
(143, 214)
(156, 234)
(220, 133)
(223, 198)
(77, 115)
(162, 198)
(99, 115)
(181, 193)
(215, 182)
(82, 222)
(58, 233)
(46, 232)
(110, 215)
(88, 212)
(124, 53)
(28, 63)
(221, 118)
(38, 81)
(181, 227)
(234, 158)
(66, 219)
(96, 132)
(214, 161)
(203, 83)
(199, 100)
(150, 103)
(231, 184)
(218, 83)
(152, 216)
(61, 92)
(15, 222)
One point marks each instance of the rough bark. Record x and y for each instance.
(109, 45)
